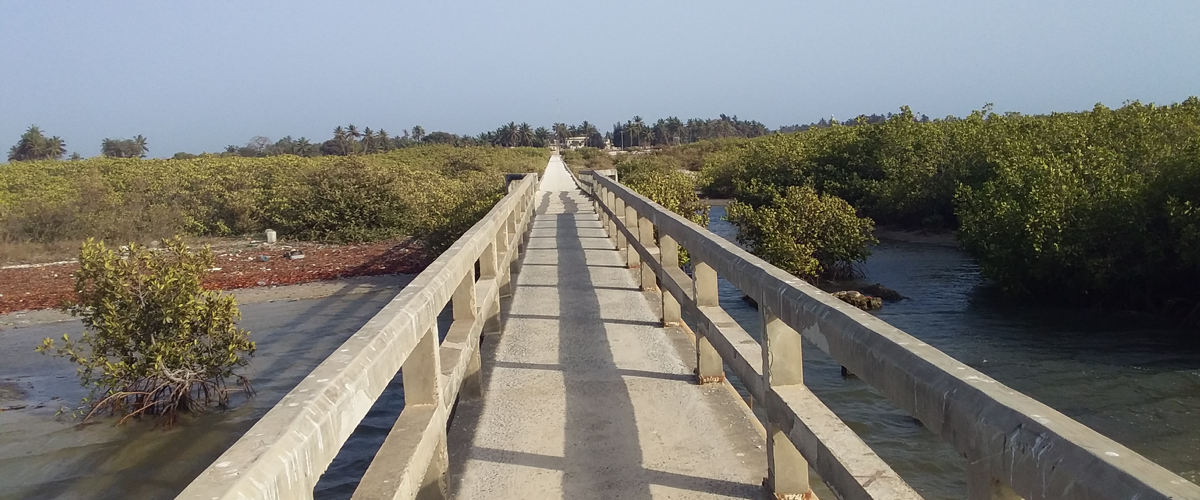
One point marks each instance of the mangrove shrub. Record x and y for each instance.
(156, 342)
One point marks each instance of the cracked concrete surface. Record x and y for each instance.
(586, 395)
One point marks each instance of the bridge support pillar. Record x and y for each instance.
(668, 254)
(787, 470)
(709, 367)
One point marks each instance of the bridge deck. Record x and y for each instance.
(585, 394)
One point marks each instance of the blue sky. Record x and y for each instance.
(196, 76)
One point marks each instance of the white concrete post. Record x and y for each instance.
(669, 255)
(420, 373)
(489, 269)
(610, 200)
(787, 470)
(505, 241)
(601, 203)
(709, 367)
(463, 305)
(645, 232)
(633, 259)
(619, 211)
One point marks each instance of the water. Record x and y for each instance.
(43, 456)
(1127, 376)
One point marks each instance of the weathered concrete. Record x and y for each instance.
(1012, 442)
(286, 451)
(586, 395)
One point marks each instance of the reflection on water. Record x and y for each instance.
(1132, 378)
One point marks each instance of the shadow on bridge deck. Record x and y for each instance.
(586, 396)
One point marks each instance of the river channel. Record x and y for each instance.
(1132, 378)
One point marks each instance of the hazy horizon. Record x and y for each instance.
(199, 77)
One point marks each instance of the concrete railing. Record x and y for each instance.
(1015, 446)
(284, 454)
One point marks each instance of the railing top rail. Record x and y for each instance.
(286, 451)
(1037, 450)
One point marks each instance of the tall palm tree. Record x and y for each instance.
(33, 145)
(561, 132)
(524, 134)
(542, 135)
(342, 140)
(385, 142)
(368, 140)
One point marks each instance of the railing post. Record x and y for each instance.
(421, 373)
(489, 269)
(463, 304)
(610, 200)
(619, 210)
(787, 470)
(646, 238)
(506, 239)
(668, 252)
(981, 485)
(709, 367)
(633, 259)
(601, 203)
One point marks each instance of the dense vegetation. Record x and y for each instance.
(433, 193)
(1097, 207)
(156, 341)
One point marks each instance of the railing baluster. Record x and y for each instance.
(668, 251)
(787, 470)
(645, 231)
(633, 260)
(421, 374)
(619, 211)
(488, 269)
(506, 240)
(709, 367)
(463, 305)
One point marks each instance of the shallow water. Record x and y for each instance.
(44, 456)
(1128, 376)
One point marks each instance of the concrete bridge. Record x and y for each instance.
(584, 362)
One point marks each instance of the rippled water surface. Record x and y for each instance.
(1129, 377)
(1132, 378)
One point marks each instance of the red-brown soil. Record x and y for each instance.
(238, 265)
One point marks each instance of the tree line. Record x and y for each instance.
(351, 140)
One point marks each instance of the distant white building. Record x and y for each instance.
(576, 142)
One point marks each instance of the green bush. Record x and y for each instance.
(429, 192)
(1093, 208)
(659, 178)
(156, 341)
(809, 235)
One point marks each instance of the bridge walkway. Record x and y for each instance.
(585, 394)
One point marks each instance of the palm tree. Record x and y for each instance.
(561, 132)
(385, 142)
(542, 135)
(524, 134)
(35, 146)
(342, 140)
(368, 140)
